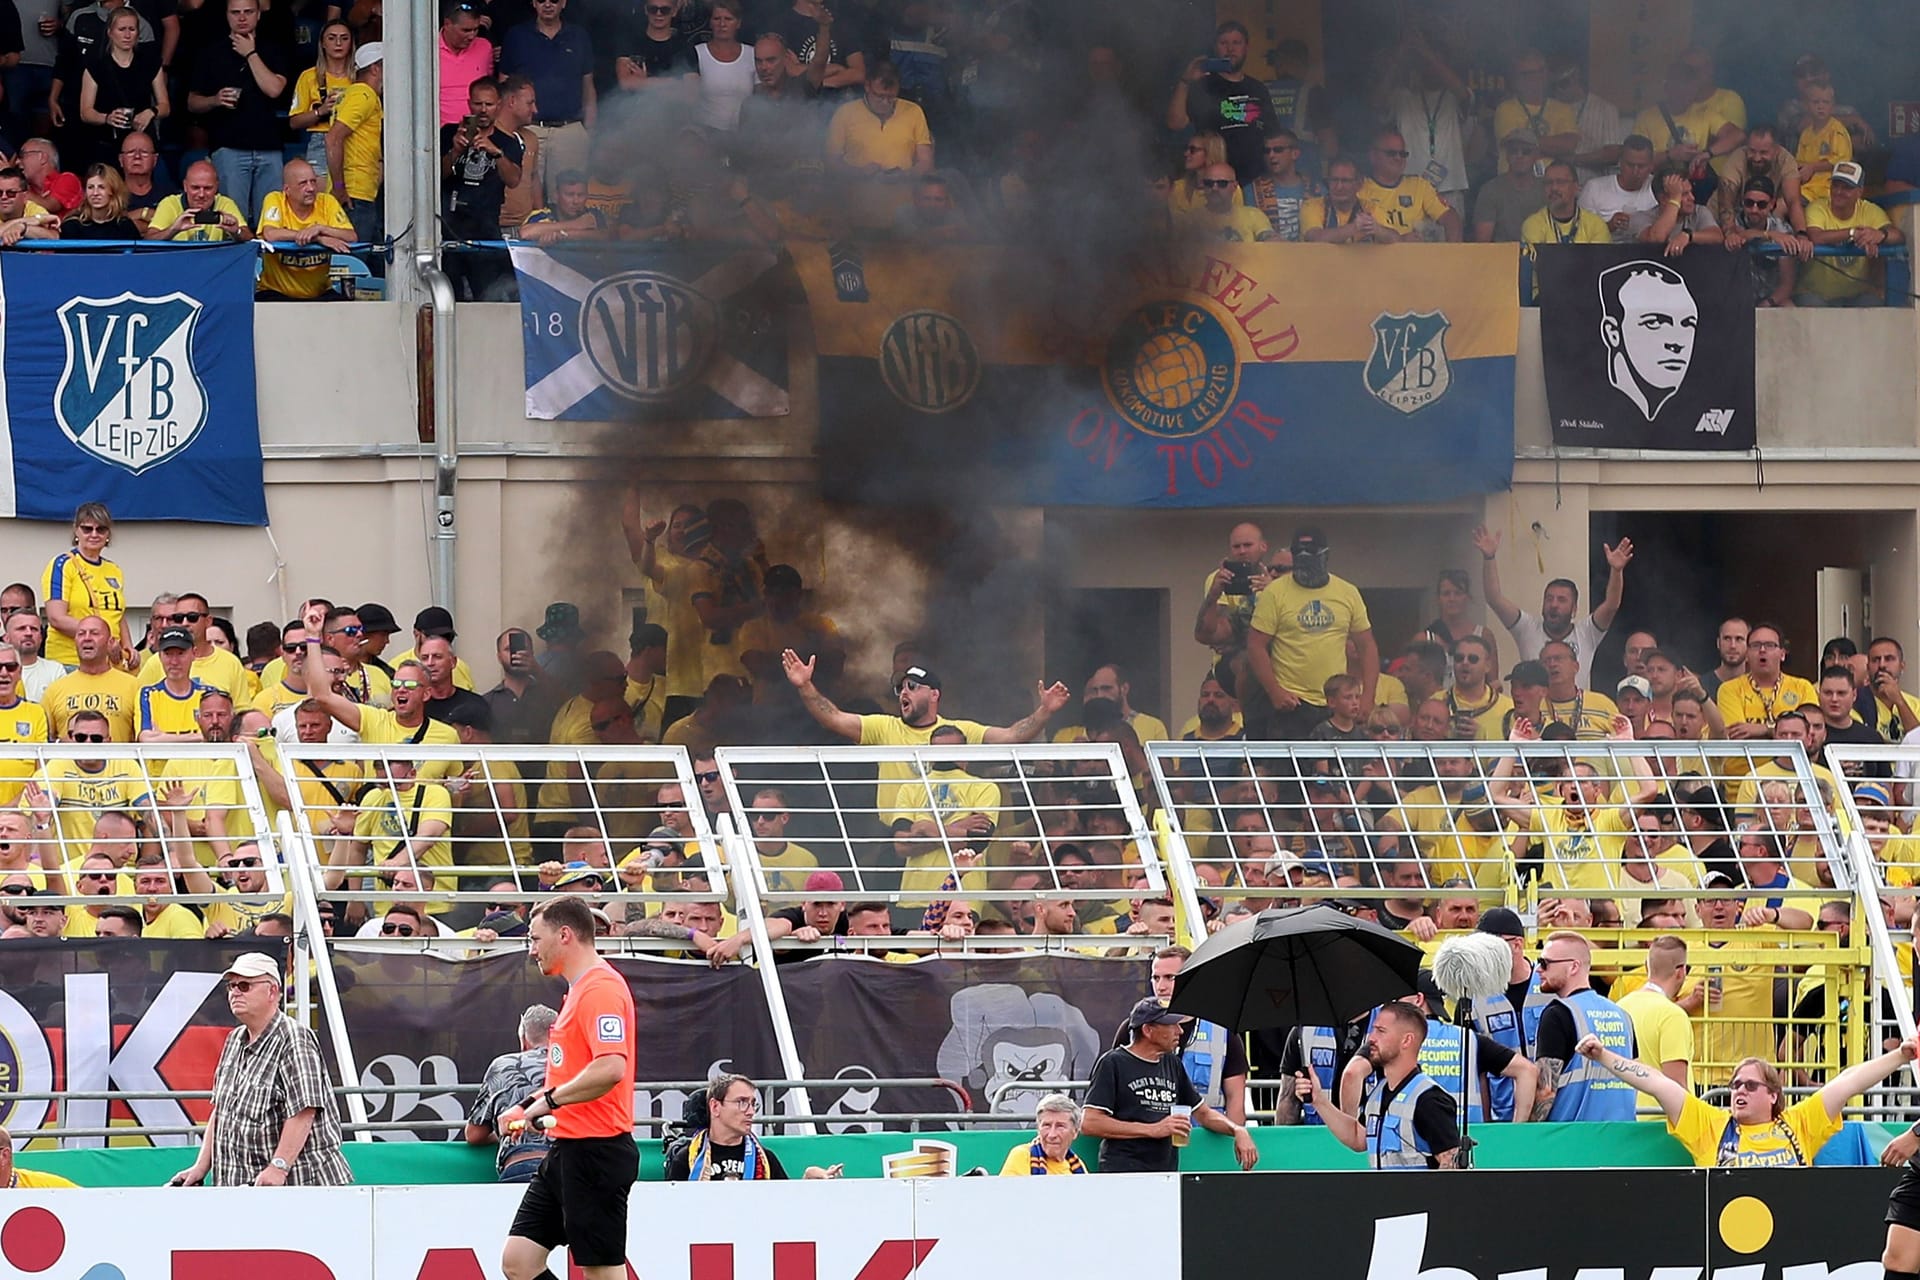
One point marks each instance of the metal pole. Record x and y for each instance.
(749, 895)
(303, 870)
(446, 432)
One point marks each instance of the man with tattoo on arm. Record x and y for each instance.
(1759, 1130)
(1569, 1088)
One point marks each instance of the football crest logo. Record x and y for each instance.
(1408, 369)
(1171, 369)
(128, 393)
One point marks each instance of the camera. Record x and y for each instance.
(1241, 583)
(206, 218)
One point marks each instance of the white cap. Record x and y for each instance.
(368, 54)
(253, 964)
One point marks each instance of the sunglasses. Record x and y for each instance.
(711, 775)
(16, 890)
(185, 617)
(236, 864)
(245, 985)
(1743, 1086)
(409, 684)
(1761, 203)
(88, 737)
(401, 930)
(1193, 147)
(1211, 184)
(9, 666)
(348, 631)
(904, 685)
(96, 875)
(660, 10)
(94, 528)
(1386, 731)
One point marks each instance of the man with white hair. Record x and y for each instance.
(1056, 1122)
(509, 1078)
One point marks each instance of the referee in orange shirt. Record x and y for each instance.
(578, 1198)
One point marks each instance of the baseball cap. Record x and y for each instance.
(920, 675)
(253, 964)
(1716, 880)
(825, 882)
(1501, 922)
(1309, 538)
(430, 621)
(377, 617)
(1850, 173)
(368, 54)
(648, 635)
(174, 638)
(576, 872)
(782, 576)
(1151, 1013)
(1638, 684)
(1521, 138)
(1873, 793)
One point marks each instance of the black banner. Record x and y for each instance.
(1637, 1224)
(1647, 352)
(986, 1024)
(91, 1015)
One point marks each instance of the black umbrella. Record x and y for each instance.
(1296, 966)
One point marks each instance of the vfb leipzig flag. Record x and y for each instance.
(128, 379)
(1647, 352)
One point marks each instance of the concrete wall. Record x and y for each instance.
(350, 490)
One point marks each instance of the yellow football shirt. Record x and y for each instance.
(1405, 205)
(1309, 626)
(1710, 1136)
(91, 589)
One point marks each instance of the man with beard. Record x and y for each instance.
(918, 690)
(1408, 1121)
(1555, 620)
(1570, 1088)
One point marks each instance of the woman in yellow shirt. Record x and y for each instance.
(1759, 1129)
(1057, 1124)
(83, 583)
(318, 91)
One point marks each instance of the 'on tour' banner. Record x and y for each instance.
(92, 1015)
(1217, 375)
(987, 1024)
(1647, 352)
(128, 379)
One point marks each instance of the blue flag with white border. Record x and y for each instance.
(627, 332)
(128, 379)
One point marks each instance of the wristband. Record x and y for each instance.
(553, 1104)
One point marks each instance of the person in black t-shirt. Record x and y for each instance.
(819, 917)
(1215, 94)
(639, 45)
(728, 1150)
(238, 84)
(478, 162)
(1132, 1095)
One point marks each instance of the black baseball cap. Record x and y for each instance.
(174, 638)
(430, 621)
(1501, 922)
(1151, 1013)
(1309, 538)
(919, 675)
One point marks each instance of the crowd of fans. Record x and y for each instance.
(796, 119)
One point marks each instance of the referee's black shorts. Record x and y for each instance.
(579, 1199)
(1903, 1203)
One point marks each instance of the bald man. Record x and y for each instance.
(200, 212)
(310, 226)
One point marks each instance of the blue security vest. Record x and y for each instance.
(1319, 1050)
(1518, 1030)
(1448, 1057)
(1587, 1090)
(1205, 1059)
(1393, 1142)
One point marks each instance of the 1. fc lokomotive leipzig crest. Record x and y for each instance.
(129, 394)
(1408, 369)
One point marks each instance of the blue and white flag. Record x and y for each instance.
(128, 379)
(617, 333)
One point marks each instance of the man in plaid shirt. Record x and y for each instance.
(274, 1121)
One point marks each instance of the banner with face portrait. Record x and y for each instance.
(1647, 352)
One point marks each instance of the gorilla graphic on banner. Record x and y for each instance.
(1007, 1044)
(1646, 352)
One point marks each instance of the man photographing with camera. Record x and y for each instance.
(1227, 611)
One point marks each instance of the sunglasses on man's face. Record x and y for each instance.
(711, 775)
(1211, 184)
(238, 864)
(348, 631)
(186, 617)
(409, 684)
(88, 737)
(400, 930)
